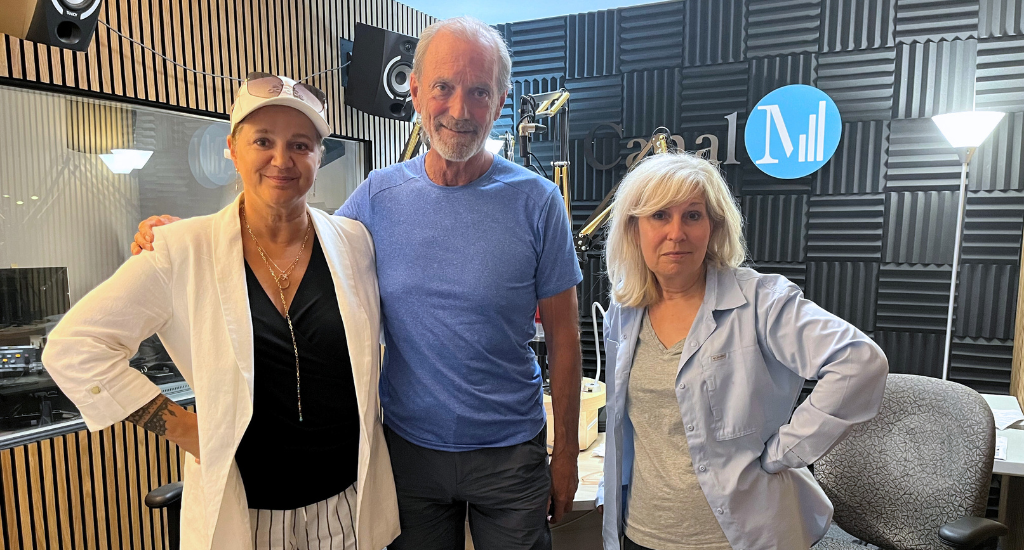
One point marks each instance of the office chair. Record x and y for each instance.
(916, 476)
(169, 496)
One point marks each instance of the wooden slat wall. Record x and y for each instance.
(225, 37)
(86, 491)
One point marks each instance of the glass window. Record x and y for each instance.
(76, 177)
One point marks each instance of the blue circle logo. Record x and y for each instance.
(793, 131)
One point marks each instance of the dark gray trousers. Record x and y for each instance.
(505, 489)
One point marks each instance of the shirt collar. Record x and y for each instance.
(722, 290)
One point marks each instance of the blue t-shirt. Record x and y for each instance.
(461, 270)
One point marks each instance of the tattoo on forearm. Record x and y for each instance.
(153, 415)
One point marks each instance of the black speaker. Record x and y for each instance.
(63, 23)
(378, 81)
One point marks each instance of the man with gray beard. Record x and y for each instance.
(468, 245)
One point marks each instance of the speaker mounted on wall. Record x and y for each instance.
(378, 81)
(63, 23)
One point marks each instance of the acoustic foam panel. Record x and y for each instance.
(983, 292)
(999, 81)
(917, 353)
(649, 36)
(993, 224)
(847, 227)
(920, 158)
(593, 101)
(538, 47)
(775, 227)
(857, 24)
(592, 44)
(847, 289)
(912, 298)
(920, 227)
(708, 94)
(980, 364)
(778, 27)
(998, 165)
(714, 32)
(860, 82)
(650, 100)
(1000, 18)
(858, 165)
(766, 74)
(934, 78)
(795, 272)
(924, 20)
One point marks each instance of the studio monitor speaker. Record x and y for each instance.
(378, 81)
(63, 23)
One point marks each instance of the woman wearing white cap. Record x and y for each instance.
(270, 310)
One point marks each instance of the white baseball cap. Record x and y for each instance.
(263, 89)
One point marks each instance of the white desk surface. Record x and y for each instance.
(591, 469)
(1014, 463)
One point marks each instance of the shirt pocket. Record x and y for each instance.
(733, 382)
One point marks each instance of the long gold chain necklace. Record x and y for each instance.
(280, 276)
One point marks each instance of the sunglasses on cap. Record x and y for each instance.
(267, 85)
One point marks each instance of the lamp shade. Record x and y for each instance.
(123, 161)
(969, 128)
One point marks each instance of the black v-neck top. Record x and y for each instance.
(287, 464)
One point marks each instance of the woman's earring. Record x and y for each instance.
(314, 187)
(237, 179)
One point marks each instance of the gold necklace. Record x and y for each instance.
(278, 277)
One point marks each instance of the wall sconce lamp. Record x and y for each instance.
(123, 161)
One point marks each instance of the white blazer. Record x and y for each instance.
(191, 291)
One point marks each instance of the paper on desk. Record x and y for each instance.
(1000, 448)
(1005, 418)
(598, 451)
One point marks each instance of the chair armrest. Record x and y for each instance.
(165, 495)
(970, 532)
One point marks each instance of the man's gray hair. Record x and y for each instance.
(469, 28)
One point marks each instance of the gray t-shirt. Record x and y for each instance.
(667, 509)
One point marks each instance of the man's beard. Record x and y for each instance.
(455, 147)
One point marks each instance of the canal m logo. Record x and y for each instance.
(771, 136)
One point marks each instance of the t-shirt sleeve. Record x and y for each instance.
(558, 268)
(357, 207)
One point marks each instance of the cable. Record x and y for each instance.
(597, 338)
(164, 57)
(545, 172)
(179, 65)
(339, 67)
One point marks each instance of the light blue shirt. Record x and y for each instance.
(461, 270)
(753, 342)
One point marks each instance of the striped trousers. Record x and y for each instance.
(325, 525)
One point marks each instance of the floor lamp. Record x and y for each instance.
(965, 132)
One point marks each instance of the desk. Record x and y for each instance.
(1011, 493)
(591, 468)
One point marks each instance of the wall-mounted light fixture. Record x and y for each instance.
(123, 161)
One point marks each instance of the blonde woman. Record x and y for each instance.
(706, 360)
